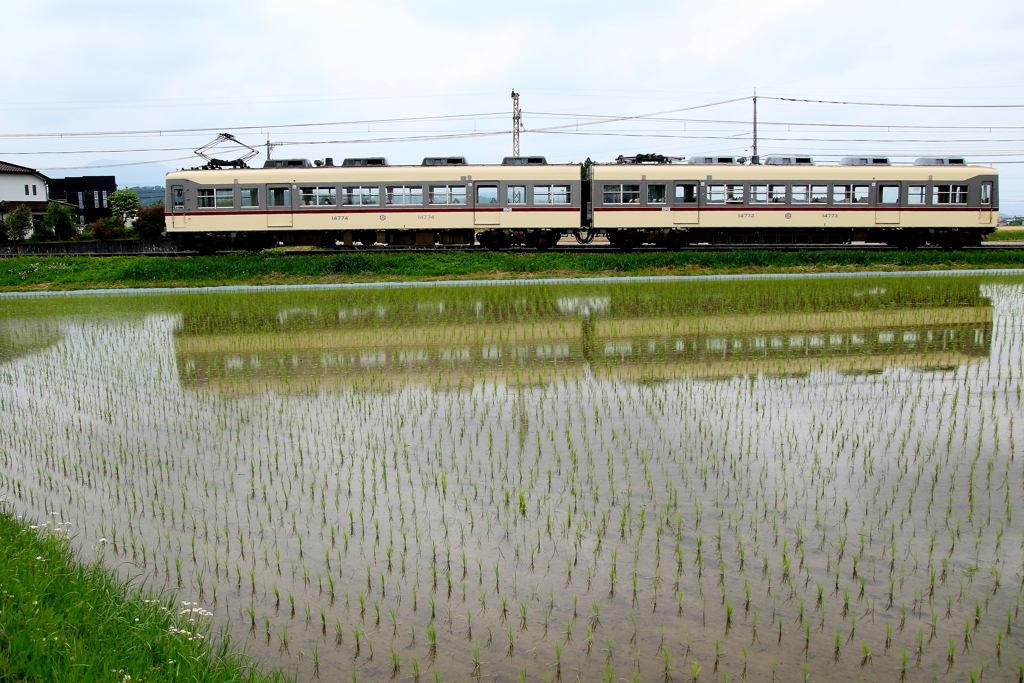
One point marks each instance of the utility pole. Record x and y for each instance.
(755, 159)
(270, 146)
(517, 123)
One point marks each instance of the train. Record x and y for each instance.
(644, 200)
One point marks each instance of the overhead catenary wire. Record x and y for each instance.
(594, 121)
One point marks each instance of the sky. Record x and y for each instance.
(404, 80)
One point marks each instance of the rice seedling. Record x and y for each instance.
(680, 429)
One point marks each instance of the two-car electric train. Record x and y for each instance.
(643, 200)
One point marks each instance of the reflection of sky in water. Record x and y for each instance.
(743, 425)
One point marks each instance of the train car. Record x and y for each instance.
(791, 200)
(367, 201)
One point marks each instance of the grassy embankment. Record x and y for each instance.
(79, 272)
(61, 620)
(1005, 236)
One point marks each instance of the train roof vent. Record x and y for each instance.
(287, 163)
(940, 161)
(864, 161)
(787, 161)
(717, 160)
(368, 161)
(444, 161)
(524, 161)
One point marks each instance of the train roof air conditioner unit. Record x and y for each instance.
(716, 160)
(367, 161)
(524, 161)
(864, 161)
(940, 161)
(287, 163)
(444, 161)
(787, 161)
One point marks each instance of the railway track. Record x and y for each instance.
(558, 249)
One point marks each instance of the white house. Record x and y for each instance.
(22, 185)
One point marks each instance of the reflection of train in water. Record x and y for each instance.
(642, 200)
(590, 343)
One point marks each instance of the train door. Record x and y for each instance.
(279, 206)
(887, 204)
(486, 208)
(684, 209)
(985, 213)
(177, 206)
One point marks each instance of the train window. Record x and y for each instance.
(205, 199)
(686, 194)
(842, 194)
(861, 194)
(360, 196)
(949, 194)
(516, 194)
(280, 196)
(448, 194)
(405, 195)
(621, 194)
(917, 194)
(551, 194)
(734, 194)
(325, 196)
(799, 194)
(759, 194)
(716, 194)
(889, 194)
(250, 196)
(819, 194)
(177, 192)
(986, 193)
(656, 194)
(486, 194)
(225, 198)
(777, 194)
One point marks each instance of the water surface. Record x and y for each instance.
(583, 481)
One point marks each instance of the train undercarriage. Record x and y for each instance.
(624, 239)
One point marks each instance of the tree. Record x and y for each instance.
(149, 224)
(19, 223)
(124, 204)
(59, 221)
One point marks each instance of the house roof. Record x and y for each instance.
(8, 167)
(6, 206)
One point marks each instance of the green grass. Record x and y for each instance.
(141, 271)
(61, 620)
(1005, 236)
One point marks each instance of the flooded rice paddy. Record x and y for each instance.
(770, 480)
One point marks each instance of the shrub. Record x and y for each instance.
(149, 224)
(108, 228)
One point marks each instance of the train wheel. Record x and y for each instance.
(545, 241)
(493, 240)
(952, 242)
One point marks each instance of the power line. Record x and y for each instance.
(893, 104)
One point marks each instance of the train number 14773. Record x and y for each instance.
(830, 215)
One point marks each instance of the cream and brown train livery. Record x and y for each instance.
(642, 200)
(367, 201)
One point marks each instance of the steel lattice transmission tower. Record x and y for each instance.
(517, 123)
